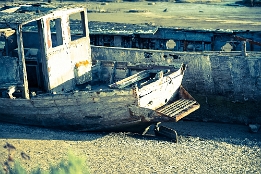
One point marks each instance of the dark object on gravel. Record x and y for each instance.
(166, 132)
(254, 128)
(9, 146)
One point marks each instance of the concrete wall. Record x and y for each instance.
(227, 85)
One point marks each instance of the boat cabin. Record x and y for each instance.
(40, 53)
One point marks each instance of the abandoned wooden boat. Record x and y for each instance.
(48, 79)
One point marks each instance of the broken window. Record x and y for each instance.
(77, 25)
(56, 32)
(170, 44)
(7, 42)
(193, 45)
(108, 41)
(148, 55)
(227, 47)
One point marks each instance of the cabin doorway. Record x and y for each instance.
(33, 46)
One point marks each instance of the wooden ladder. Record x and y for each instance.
(176, 108)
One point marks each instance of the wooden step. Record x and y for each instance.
(176, 108)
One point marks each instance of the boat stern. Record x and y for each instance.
(180, 107)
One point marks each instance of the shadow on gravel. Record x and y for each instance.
(12, 131)
(222, 132)
(207, 131)
(149, 137)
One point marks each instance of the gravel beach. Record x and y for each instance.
(202, 148)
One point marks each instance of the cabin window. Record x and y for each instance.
(8, 42)
(56, 32)
(2, 44)
(30, 35)
(77, 25)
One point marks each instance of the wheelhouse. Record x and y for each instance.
(40, 53)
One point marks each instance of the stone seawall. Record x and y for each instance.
(226, 84)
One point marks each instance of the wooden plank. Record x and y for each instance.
(7, 32)
(130, 80)
(10, 10)
(95, 109)
(44, 32)
(88, 102)
(108, 111)
(22, 65)
(7, 85)
(15, 103)
(42, 58)
(86, 94)
(84, 98)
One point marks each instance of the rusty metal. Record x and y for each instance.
(49, 40)
(248, 40)
(176, 107)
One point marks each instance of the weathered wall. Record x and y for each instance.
(235, 77)
(9, 70)
(227, 85)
